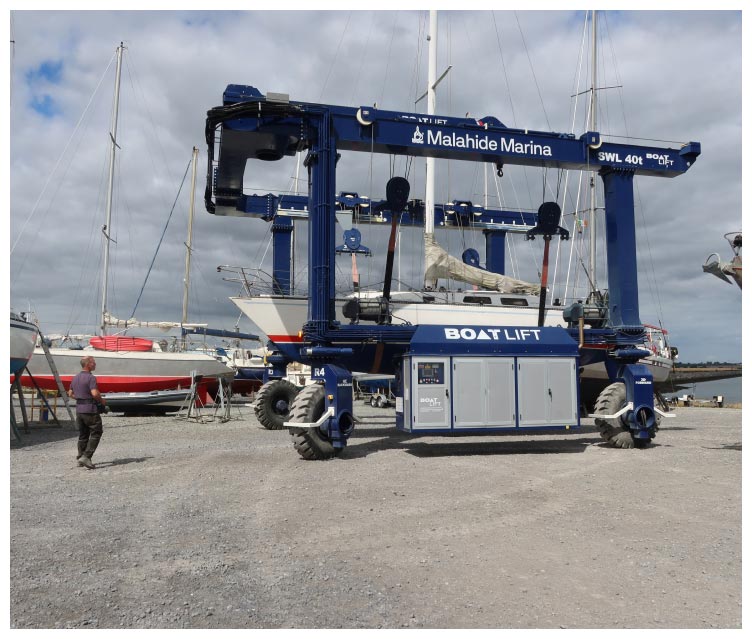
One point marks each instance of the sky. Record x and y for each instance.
(672, 76)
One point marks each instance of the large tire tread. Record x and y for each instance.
(310, 442)
(266, 401)
(611, 400)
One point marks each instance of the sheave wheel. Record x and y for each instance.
(308, 407)
(611, 400)
(273, 402)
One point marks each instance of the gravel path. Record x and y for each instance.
(222, 525)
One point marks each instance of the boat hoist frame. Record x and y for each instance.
(270, 127)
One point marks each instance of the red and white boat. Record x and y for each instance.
(128, 371)
(130, 364)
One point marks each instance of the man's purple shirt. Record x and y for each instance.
(82, 385)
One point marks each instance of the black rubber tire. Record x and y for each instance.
(380, 402)
(310, 442)
(372, 401)
(611, 400)
(273, 402)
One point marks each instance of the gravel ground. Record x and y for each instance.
(221, 525)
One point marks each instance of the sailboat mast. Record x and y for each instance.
(110, 182)
(189, 243)
(592, 127)
(431, 110)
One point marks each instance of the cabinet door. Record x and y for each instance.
(469, 392)
(532, 391)
(501, 392)
(430, 396)
(562, 381)
(547, 390)
(483, 392)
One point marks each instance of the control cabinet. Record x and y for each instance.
(518, 380)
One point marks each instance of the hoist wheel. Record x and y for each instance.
(615, 430)
(273, 401)
(308, 407)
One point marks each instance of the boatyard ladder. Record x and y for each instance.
(56, 375)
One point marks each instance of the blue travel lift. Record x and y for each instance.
(529, 375)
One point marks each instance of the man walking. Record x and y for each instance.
(88, 399)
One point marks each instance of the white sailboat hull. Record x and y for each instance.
(23, 336)
(280, 318)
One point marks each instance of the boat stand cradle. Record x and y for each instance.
(16, 386)
(194, 409)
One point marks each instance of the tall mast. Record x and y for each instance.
(431, 110)
(110, 181)
(592, 127)
(189, 242)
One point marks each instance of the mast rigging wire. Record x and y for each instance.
(164, 230)
(336, 53)
(46, 184)
(532, 69)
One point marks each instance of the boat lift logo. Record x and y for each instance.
(417, 136)
(493, 334)
(431, 403)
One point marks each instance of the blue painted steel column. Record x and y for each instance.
(495, 251)
(321, 242)
(621, 247)
(282, 252)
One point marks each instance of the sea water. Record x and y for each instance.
(731, 389)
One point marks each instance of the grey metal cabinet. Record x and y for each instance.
(430, 387)
(483, 392)
(547, 391)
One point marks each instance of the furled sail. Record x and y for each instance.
(109, 320)
(440, 264)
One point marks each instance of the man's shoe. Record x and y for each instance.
(85, 461)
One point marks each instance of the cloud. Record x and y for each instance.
(678, 76)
